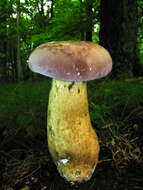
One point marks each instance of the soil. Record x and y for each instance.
(26, 165)
(105, 177)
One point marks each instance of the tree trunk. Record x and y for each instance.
(52, 9)
(81, 17)
(3, 41)
(89, 14)
(118, 34)
(82, 35)
(19, 67)
(3, 58)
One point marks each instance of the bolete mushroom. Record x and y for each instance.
(72, 142)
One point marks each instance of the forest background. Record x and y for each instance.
(115, 103)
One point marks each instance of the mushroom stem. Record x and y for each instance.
(72, 142)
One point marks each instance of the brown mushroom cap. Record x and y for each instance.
(71, 61)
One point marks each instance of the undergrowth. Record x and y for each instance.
(116, 110)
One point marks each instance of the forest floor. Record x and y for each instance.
(31, 176)
(116, 110)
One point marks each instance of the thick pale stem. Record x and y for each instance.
(72, 142)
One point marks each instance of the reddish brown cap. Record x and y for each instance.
(71, 61)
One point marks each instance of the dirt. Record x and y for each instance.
(105, 177)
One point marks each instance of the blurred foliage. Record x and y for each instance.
(23, 107)
(140, 30)
(44, 21)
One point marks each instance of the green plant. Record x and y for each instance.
(115, 109)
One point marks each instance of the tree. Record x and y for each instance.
(3, 39)
(89, 19)
(19, 67)
(140, 29)
(118, 33)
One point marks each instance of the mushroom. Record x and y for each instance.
(72, 142)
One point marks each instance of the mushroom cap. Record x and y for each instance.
(71, 61)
